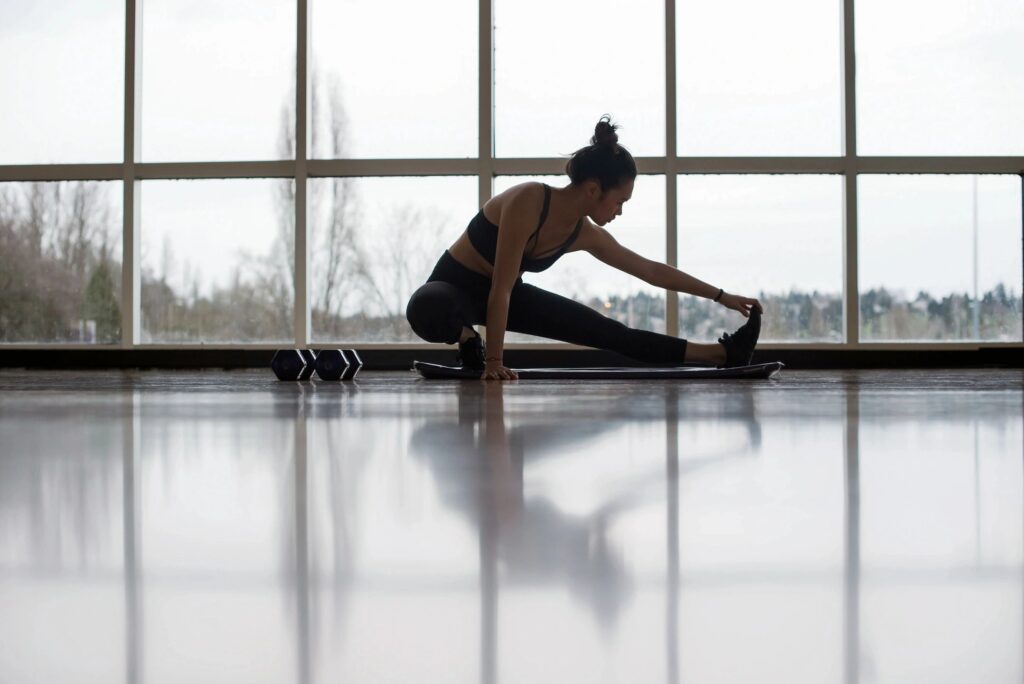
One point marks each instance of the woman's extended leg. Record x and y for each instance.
(441, 312)
(538, 312)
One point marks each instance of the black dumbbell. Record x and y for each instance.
(293, 364)
(338, 364)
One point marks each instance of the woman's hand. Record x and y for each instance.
(494, 370)
(741, 304)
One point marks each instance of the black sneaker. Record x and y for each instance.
(471, 353)
(739, 347)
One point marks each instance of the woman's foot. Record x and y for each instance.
(471, 353)
(739, 347)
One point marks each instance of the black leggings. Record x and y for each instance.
(455, 297)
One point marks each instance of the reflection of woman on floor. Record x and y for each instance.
(478, 280)
(478, 467)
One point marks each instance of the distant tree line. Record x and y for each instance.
(60, 282)
(889, 316)
(817, 316)
(60, 277)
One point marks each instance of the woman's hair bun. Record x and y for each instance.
(604, 133)
(603, 160)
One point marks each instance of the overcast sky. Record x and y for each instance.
(938, 77)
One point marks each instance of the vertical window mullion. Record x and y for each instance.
(130, 274)
(671, 181)
(302, 312)
(485, 96)
(851, 287)
(486, 101)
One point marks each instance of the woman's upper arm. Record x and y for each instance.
(600, 243)
(518, 218)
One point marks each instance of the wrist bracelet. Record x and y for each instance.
(719, 295)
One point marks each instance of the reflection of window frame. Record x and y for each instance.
(486, 166)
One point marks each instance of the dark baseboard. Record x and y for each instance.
(401, 359)
(996, 357)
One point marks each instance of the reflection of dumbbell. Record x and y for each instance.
(293, 364)
(338, 364)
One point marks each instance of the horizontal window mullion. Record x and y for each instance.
(975, 165)
(185, 170)
(323, 168)
(833, 165)
(60, 172)
(508, 166)
(839, 165)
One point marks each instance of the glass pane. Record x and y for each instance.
(580, 276)
(759, 78)
(940, 77)
(777, 238)
(63, 80)
(217, 260)
(940, 257)
(373, 242)
(429, 105)
(560, 65)
(218, 80)
(60, 262)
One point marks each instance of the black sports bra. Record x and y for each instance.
(483, 235)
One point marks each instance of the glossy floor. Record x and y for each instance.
(225, 527)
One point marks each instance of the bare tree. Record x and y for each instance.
(350, 284)
(55, 246)
(338, 265)
(407, 245)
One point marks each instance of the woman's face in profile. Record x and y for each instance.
(610, 204)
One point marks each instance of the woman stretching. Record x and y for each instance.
(478, 280)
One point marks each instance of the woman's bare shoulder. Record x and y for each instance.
(528, 196)
(591, 236)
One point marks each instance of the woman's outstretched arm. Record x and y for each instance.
(603, 246)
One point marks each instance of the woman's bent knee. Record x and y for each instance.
(434, 312)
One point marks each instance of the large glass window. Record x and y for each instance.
(429, 105)
(217, 260)
(60, 262)
(373, 242)
(940, 77)
(218, 80)
(580, 276)
(940, 257)
(63, 82)
(558, 66)
(759, 78)
(777, 238)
